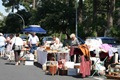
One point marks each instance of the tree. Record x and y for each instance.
(56, 16)
(95, 17)
(2, 22)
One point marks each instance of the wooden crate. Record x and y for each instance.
(112, 77)
(62, 72)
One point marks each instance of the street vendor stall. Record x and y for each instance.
(58, 54)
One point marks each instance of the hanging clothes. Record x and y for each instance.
(85, 50)
(85, 67)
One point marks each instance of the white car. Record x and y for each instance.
(47, 40)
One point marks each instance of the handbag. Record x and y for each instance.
(18, 47)
(13, 47)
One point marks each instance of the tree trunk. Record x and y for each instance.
(111, 8)
(95, 16)
(80, 11)
(34, 4)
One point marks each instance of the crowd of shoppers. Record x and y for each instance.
(13, 45)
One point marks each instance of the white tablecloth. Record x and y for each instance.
(63, 55)
(42, 56)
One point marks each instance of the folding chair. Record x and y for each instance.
(102, 57)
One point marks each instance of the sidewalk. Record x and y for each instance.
(9, 71)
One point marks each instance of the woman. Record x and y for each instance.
(9, 47)
(74, 43)
(74, 40)
(56, 43)
(18, 42)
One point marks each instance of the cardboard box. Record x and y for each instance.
(29, 62)
(62, 72)
(77, 66)
(69, 64)
(72, 72)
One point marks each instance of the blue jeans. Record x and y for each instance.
(33, 48)
(2, 48)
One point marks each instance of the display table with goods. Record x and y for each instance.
(65, 66)
(44, 55)
(26, 57)
(113, 71)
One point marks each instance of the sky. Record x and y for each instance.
(2, 9)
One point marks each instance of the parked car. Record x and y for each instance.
(67, 42)
(24, 37)
(108, 40)
(47, 39)
(81, 40)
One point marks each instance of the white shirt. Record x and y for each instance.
(57, 40)
(17, 41)
(2, 41)
(33, 39)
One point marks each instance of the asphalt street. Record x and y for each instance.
(9, 71)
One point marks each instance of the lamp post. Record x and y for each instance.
(76, 17)
(20, 17)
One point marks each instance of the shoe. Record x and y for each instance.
(16, 63)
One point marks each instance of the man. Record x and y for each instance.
(33, 42)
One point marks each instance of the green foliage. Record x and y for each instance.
(2, 22)
(58, 16)
(54, 16)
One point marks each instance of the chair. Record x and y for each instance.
(97, 61)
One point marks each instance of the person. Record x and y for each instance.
(67, 40)
(56, 43)
(33, 42)
(2, 45)
(74, 43)
(18, 47)
(8, 47)
(74, 40)
(56, 40)
(28, 35)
